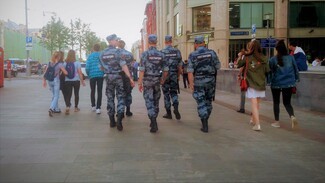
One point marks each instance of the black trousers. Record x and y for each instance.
(185, 80)
(286, 97)
(99, 83)
(68, 87)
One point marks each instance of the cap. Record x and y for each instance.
(152, 38)
(112, 37)
(199, 40)
(168, 38)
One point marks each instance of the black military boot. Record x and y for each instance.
(153, 125)
(176, 112)
(119, 122)
(128, 112)
(204, 125)
(112, 123)
(168, 115)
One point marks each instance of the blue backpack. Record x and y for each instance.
(50, 72)
(71, 70)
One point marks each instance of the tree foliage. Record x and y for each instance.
(54, 35)
(78, 36)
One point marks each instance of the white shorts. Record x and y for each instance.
(252, 93)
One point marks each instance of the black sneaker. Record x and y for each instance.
(51, 112)
(57, 111)
(241, 110)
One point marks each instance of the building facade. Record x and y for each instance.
(229, 24)
(149, 23)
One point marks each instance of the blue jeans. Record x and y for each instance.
(55, 89)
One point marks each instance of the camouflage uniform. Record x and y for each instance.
(152, 63)
(173, 59)
(203, 63)
(128, 57)
(112, 64)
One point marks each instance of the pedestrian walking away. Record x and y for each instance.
(113, 66)
(72, 81)
(184, 73)
(51, 77)
(62, 80)
(283, 77)
(96, 78)
(257, 68)
(203, 64)
(151, 63)
(128, 58)
(173, 59)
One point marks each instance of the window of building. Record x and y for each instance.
(176, 25)
(243, 15)
(167, 7)
(202, 18)
(307, 14)
(176, 2)
(168, 32)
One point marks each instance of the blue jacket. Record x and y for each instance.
(285, 76)
(93, 66)
(301, 59)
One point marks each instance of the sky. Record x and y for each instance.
(122, 17)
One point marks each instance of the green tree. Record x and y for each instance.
(54, 35)
(91, 39)
(81, 33)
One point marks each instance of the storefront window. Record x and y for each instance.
(243, 15)
(307, 14)
(201, 18)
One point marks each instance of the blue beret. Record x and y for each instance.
(152, 38)
(112, 37)
(168, 38)
(199, 39)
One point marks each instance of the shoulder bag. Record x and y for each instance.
(243, 82)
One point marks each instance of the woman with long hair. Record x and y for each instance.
(72, 81)
(257, 68)
(54, 84)
(284, 75)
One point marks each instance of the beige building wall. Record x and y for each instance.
(220, 34)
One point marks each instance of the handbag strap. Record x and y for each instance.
(245, 70)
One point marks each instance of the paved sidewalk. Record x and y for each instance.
(81, 147)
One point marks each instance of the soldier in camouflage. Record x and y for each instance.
(203, 64)
(113, 66)
(152, 62)
(173, 59)
(128, 57)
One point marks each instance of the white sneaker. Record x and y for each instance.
(93, 109)
(294, 122)
(97, 111)
(257, 127)
(276, 124)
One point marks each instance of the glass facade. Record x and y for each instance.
(243, 15)
(201, 18)
(307, 14)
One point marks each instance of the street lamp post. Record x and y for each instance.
(27, 34)
(267, 17)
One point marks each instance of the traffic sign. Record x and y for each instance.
(29, 43)
(254, 29)
(268, 43)
(29, 40)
